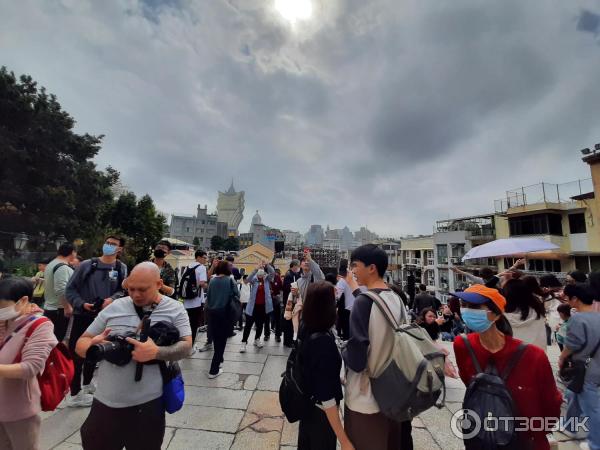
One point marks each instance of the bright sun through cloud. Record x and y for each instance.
(294, 10)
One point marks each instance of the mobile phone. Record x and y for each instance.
(440, 313)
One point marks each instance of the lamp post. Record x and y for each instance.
(20, 241)
(60, 240)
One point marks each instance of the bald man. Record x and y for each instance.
(128, 413)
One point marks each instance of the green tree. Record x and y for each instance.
(231, 244)
(140, 224)
(196, 241)
(217, 243)
(48, 182)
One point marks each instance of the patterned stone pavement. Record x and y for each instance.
(240, 409)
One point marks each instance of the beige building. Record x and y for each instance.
(249, 258)
(567, 215)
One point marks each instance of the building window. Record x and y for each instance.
(442, 251)
(536, 224)
(544, 265)
(443, 279)
(203, 222)
(458, 250)
(577, 223)
(187, 229)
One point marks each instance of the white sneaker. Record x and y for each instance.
(211, 376)
(243, 349)
(89, 388)
(192, 352)
(258, 343)
(80, 400)
(205, 348)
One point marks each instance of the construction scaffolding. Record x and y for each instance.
(327, 259)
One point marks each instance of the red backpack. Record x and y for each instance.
(55, 380)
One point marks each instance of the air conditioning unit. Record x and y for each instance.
(445, 260)
(444, 285)
(455, 260)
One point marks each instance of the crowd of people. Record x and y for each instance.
(125, 331)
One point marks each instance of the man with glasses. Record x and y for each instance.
(94, 285)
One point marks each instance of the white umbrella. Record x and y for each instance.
(509, 247)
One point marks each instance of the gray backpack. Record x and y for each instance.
(410, 378)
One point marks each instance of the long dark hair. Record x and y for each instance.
(520, 297)
(532, 283)
(319, 311)
(550, 281)
(423, 314)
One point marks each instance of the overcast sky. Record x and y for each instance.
(385, 113)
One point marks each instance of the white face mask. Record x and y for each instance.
(9, 313)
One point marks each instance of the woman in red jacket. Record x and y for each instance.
(531, 381)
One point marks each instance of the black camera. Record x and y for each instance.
(98, 302)
(117, 350)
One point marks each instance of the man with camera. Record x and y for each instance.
(94, 285)
(128, 409)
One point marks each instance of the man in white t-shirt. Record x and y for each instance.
(194, 306)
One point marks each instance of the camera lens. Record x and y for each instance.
(99, 351)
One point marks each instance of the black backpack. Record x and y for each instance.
(295, 403)
(188, 287)
(488, 396)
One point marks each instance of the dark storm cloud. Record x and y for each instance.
(589, 22)
(386, 113)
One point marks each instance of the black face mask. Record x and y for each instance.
(158, 253)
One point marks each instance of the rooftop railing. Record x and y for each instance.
(543, 193)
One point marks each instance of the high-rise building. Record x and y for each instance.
(230, 209)
(364, 236)
(315, 236)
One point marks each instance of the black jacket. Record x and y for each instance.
(289, 278)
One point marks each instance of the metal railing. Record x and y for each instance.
(543, 193)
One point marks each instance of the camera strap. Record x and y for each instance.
(142, 330)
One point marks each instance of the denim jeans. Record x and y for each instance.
(587, 404)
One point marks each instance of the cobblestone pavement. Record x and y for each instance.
(240, 409)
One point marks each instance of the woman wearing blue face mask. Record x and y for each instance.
(530, 382)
